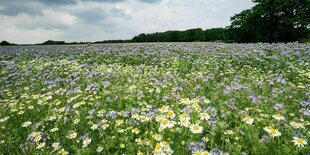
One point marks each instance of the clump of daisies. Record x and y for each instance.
(162, 148)
(273, 132)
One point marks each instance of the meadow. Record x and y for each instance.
(159, 98)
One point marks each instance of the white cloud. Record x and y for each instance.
(119, 19)
(59, 17)
(11, 32)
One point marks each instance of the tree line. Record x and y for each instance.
(191, 35)
(268, 21)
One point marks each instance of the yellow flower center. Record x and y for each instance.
(157, 146)
(203, 115)
(165, 143)
(247, 119)
(196, 127)
(197, 106)
(135, 129)
(278, 115)
(164, 122)
(197, 153)
(299, 140)
(270, 127)
(163, 108)
(273, 131)
(170, 113)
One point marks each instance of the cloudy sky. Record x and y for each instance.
(35, 21)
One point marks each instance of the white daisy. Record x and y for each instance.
(248, 120)
(135, 131)
(99, 149)
(184, 122)
(26, 124)
(184, 116)
(196, 107)
(297, 125)
(195, 128)
(268, 128)
(204, 116)
(299, 141)
(275, 133)
(185, 101)
(55, 146)
(278, 117)
(164, 108)
(170, 114)
(37, 136)
(94, 126)
(72, 134)
(86, 142)
(41, 145)
(157, 137)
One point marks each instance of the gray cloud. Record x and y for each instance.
(58, 2)
(106, 1)
(117, 1)
(14, 7)
(93, 16)
(99, 15)
(150, 1)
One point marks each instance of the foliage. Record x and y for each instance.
(52, 42)
(5, 43)
(216, 34)
(172, 36)
(273, 21)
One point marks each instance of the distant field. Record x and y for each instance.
(162, 98)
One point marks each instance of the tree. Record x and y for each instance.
(5, 43)
(215, 34)
(273, 21)
(52, 42)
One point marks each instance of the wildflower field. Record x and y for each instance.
(163, 98)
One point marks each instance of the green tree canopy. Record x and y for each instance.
(5, 43)
(273, 21)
